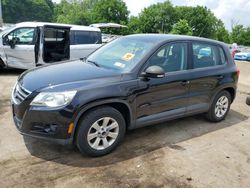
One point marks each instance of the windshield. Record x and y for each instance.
(6, 30)
(121, 54)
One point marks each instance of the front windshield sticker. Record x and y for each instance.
(128, 56)
(118, 64)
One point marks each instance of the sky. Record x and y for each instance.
(229, 11)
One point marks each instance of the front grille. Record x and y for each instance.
(20, 94)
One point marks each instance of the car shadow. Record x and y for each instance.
(136, 143)
(11, 71)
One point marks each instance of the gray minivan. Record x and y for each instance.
(30, 44)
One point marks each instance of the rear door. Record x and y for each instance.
(207, 72)
(22, 54)
(56, 43)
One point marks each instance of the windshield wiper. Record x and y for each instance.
(96, 64)
(89, 61)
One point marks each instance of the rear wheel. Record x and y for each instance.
(220, 107)
(248, 101)
(100, 131)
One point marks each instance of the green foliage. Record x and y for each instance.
(182, 28)
(71, 12)
(27, 10)
(157, 18)
(241, 35)
(86, 12)
(221, 33)
(133, 25)
(110, 11)
(201, 20)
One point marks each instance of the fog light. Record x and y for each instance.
(51, 129)
(44, 128)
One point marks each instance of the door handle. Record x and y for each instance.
(185, 82)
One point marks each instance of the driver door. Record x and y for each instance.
(21, 54)
(164, 98)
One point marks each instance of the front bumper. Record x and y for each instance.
(46, 125)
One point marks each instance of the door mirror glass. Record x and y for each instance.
(154, 72)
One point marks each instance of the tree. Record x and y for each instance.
(182, 28)
(221, 33)
(157, 18)
(241, 35)
(75, 11)
(71, 12)
(201, 20)
(110, 11)
(27, 10)
(133, 25)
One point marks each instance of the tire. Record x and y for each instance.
(220, 107)
(94, 141)
(248, 101)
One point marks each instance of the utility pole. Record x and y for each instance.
(1, 14)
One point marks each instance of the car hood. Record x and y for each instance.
(65, 73)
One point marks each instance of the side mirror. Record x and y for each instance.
(154, 72)
(12, 43)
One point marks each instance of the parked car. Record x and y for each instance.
(243, 56)
(131, 82)
(30, 44)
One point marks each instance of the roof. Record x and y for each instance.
(108, 25)
(168, 37)
(73, 27)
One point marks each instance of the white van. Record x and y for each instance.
(30, 44)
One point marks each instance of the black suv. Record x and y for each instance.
(134, 81)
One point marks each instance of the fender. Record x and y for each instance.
(93, 104)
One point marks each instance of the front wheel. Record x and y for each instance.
(100, 131)
(220, 107)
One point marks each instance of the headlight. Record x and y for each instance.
(53, 99)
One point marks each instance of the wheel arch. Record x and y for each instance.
(120, 105)
(229, 88)
(232, 92)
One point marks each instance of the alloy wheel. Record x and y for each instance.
(221, 106)
(103, 133)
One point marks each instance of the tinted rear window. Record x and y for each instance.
(206, 55)
(51, 34)
(85, 37)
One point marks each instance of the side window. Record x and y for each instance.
(223, 59)
(206, 55)
(53, 34)
(171, 57)
(87, 37)
(21, 36)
